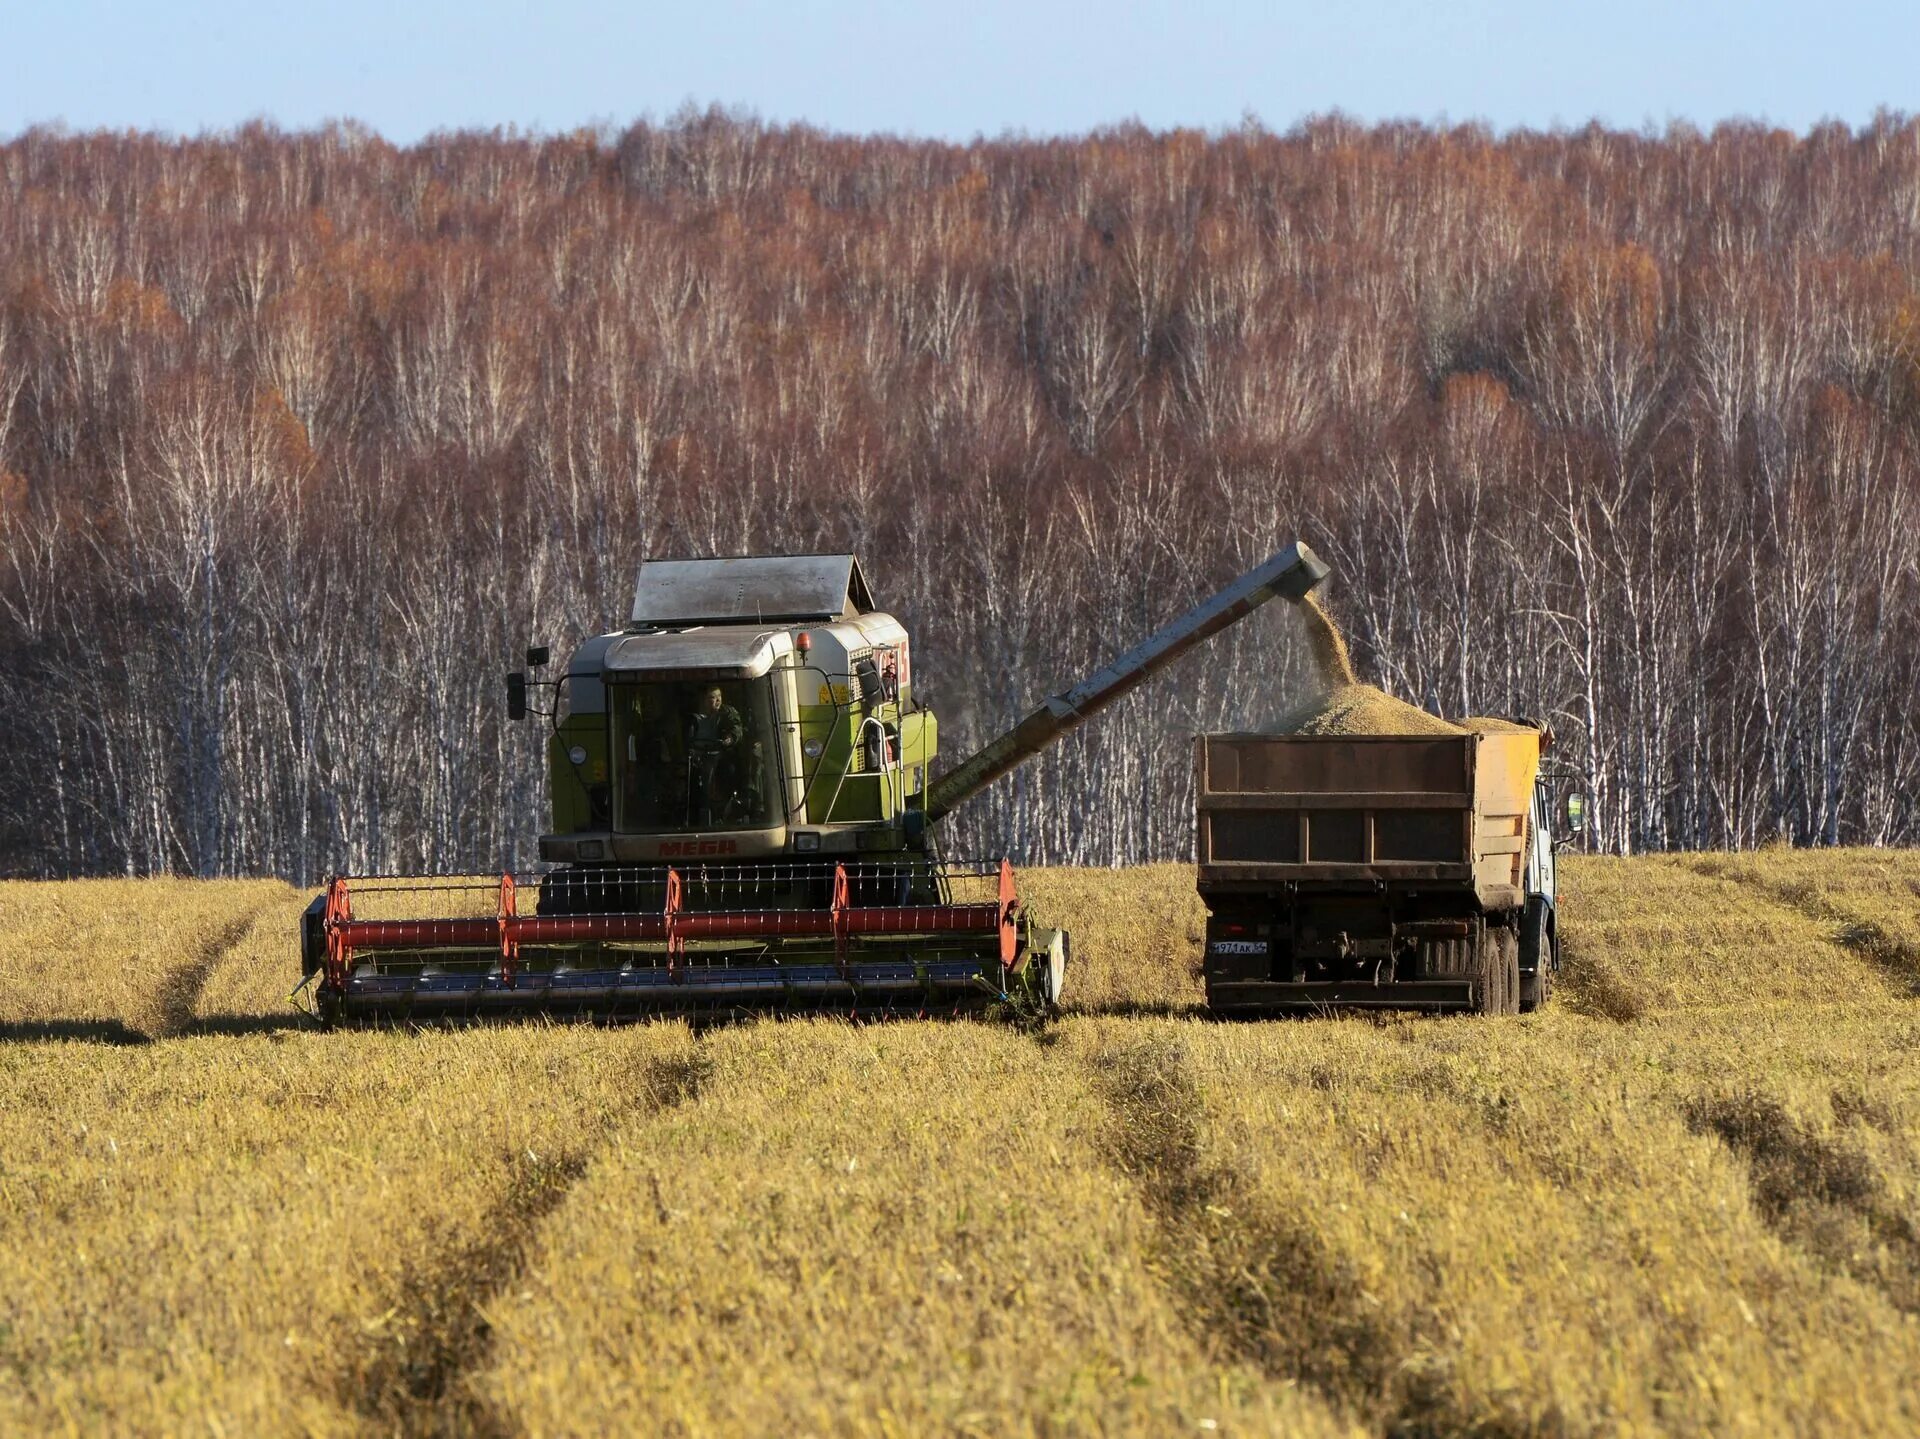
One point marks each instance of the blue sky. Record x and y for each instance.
(953, 69)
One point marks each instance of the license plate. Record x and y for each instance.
(1237, 946)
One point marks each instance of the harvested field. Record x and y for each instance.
(1679, 1200)
(1869, 900)
(123, 959)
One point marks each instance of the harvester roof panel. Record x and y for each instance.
(729, 652)
(753, 588)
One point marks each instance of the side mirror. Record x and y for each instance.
(536, 656)
(516, 696)
(1576, 813)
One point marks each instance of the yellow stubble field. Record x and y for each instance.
(1681, 1199)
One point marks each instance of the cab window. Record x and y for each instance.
(694, 756)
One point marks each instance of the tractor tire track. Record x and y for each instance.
(1894, 956)
(1259, 1285)
(182, 986)
(1818, 1194)
(413, 1373)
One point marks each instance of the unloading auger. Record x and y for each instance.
(742, 818)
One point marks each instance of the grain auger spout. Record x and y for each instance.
(1292, 574)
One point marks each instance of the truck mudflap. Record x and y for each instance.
(1256, 996)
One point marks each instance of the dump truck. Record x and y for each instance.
(1376, 871)
(744, 812)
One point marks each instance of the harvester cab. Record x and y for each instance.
(742, 801)
(754, 708)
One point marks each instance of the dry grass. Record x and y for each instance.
(1681, 1199)
(1519, 1228)
(1675, 934)
(248, 987)
(1136, 934)
(1868, 898)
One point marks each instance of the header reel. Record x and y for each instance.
(912, 937)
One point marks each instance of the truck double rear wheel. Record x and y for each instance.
(1490, 957)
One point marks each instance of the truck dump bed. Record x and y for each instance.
(1428, 811)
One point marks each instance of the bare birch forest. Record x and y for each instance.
(303, 437)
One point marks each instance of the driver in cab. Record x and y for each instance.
(717, 725)
(715, 750)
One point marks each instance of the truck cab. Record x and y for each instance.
(1539, 921)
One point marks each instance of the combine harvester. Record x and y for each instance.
(743, 812)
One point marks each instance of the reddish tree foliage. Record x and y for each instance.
(303, 435)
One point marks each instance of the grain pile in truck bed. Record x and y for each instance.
(1361, 710)
(1487, 724)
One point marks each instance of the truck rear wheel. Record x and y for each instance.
(1447, 959)
(1490, 957)
(1496, 970)
(1507, 958)
(1489, 975)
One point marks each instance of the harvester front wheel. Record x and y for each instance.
(1049, 967)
